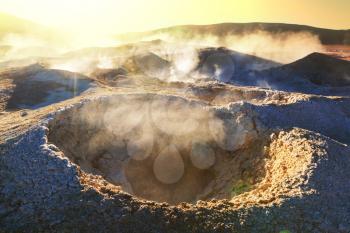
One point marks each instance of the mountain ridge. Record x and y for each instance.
(327, 36)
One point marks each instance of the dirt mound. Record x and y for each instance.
(320, 69)
(35, 86)
(315, 74)
(108, 76)
(230, 66)
(150, 64)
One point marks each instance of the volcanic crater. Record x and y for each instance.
(163, 148)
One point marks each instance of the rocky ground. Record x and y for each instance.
(121, 151)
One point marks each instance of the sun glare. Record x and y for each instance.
(119, 16)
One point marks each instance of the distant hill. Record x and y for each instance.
(327, 36)
(14, 26)
(4, 49)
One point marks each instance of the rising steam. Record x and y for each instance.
(281, 47)
(158, 147)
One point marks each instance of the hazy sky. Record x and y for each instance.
(139, 15)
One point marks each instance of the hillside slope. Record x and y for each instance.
(327, 36)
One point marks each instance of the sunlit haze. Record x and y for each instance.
(118, 16)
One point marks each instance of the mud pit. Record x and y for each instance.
(162, 148)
